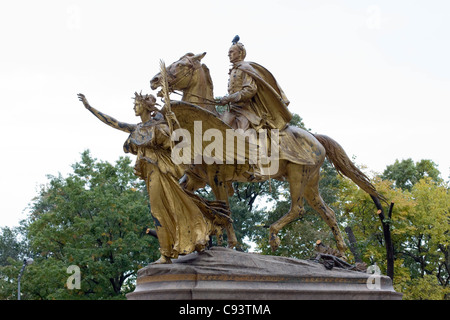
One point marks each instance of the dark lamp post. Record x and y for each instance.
(26, 261)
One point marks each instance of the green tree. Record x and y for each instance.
(427, 244)
(420, 229)
(405, 174)
(11, 247)
(95, 218)
(360, 214)
(247, 212)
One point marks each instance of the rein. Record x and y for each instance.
(208, 101)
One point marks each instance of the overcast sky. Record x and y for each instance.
(373, 75)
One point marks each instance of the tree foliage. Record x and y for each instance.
(405, 174)
(96, 219)
(420, 227)
(11, 248)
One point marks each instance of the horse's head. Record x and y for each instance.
(191, 77)
(180, 73)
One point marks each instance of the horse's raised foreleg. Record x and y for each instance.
(297, 176)
(314, 199)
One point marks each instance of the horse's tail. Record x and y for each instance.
(344, 166)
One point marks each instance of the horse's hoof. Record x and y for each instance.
(232, 244)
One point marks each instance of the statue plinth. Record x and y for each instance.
(221, 273)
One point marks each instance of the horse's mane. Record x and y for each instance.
(202, 90)
(209, 82)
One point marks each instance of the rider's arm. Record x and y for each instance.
(247, 92)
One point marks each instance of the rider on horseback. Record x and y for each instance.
(255, 98)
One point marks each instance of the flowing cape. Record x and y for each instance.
(270, 103)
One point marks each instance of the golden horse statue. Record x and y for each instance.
(301, 154)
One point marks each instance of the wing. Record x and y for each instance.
(212, 138)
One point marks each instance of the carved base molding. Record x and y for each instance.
(225, 274)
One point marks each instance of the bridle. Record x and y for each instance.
(190, 72)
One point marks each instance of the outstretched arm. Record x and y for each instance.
(110, 121)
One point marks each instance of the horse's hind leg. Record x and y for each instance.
(297, 176)
(314, 199)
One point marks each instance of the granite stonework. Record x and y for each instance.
(221, 273)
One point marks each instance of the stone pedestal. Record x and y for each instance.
(221, 273)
